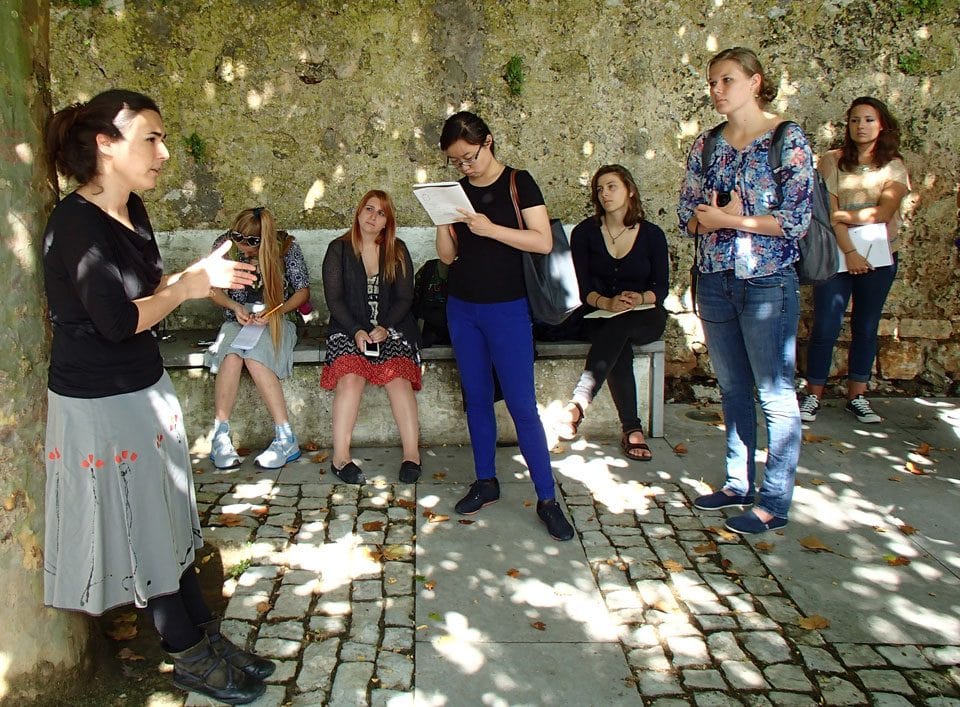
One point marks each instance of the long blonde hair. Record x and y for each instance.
(259, 221)
(387, 240)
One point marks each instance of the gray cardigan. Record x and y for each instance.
(345, 290)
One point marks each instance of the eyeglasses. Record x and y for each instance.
(237, 237)
(460, 164)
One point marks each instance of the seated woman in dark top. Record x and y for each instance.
(372, 337)
(621, 263)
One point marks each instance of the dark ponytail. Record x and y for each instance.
(71, 136)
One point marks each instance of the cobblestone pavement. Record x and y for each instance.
(331, 580)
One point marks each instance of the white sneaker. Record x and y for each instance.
(281, 451)
(222, 453)
(860, 408)
(809, 407)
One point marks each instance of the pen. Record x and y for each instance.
(267, 314)
(867, 254)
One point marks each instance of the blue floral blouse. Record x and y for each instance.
(751, 254)
(295, 276)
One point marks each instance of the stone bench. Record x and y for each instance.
(442, 420)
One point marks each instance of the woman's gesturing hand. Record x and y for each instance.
(216, 271)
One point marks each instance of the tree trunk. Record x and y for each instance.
(41, 649)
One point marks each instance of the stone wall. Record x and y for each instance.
(303, 106)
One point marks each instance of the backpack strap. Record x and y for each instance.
(709, 145)
(775, 153)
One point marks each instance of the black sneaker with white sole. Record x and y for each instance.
(809, 407)
(860, 408)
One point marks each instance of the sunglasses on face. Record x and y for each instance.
(237, 237)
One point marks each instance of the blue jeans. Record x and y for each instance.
(499, 335)
(751, 332)
(869, 292)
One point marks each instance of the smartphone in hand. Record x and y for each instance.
(371, 349)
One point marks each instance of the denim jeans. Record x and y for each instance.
(499, 336)
(751, 333)
(869, 292)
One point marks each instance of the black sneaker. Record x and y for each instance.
(482, 493)
(860, 408)
(809, 407)
(552, 516)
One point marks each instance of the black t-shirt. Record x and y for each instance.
(487, 270)
(94, 268)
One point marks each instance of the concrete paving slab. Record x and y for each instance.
(584, 674)
(501, 578)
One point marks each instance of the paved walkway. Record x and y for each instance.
(381, 595)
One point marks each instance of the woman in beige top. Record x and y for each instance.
(867, 181)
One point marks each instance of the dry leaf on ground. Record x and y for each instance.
(373, 525)
(728, 567)
(763, 546)
(723, 533)
(127, 654)
(814, 544)
(310, 446)
(672, 566)
(437, 518)
(896, 560)
(907, 529)
(466, 521)
(243, 451)
(811, 623)
(817, 482)
(811, 438)
(290, 528)
(263, 607)
(539, 625)
(430, 585)
(260, 511)
(527, 504)
(320, 458)
(123, 628)
(405, 503)
(230, 520)
(705, 548)
(680, 449)
(440, 475)
(513, 572)
(923, 449)
(914, 469)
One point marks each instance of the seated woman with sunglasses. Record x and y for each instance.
(372, 336)
(282, 286)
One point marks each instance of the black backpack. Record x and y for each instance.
(430, 303)
(819, 257)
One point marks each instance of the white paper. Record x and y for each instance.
(604, 314)
(870, 240)
(248, 337)
(441, 200)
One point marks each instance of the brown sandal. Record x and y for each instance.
(628, 447)
(574, 425)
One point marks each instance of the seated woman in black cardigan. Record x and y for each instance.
(621, 262)
(372, 336)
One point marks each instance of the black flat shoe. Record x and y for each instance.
(349, 473)
(410, 472)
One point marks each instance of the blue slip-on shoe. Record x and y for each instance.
(718, 499)
(750, 524)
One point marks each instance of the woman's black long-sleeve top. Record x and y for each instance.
(645, 267)
(345, 290)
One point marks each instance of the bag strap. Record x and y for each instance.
(709, 145)
(514, 198)
(775, 154)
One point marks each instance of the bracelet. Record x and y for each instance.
(848, 252)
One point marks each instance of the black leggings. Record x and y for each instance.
(611, 357)
(177, 616)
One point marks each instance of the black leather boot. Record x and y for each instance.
(250, 663)
(201, 669)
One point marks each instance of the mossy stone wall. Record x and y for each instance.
(303, 106)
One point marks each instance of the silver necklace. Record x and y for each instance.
(613, 238)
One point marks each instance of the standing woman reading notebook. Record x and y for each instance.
(488, 314)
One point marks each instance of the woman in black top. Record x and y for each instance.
(372, 336)
(622, 263)
(121, 513)
(488, 314)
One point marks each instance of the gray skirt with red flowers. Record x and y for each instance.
(121, 514)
